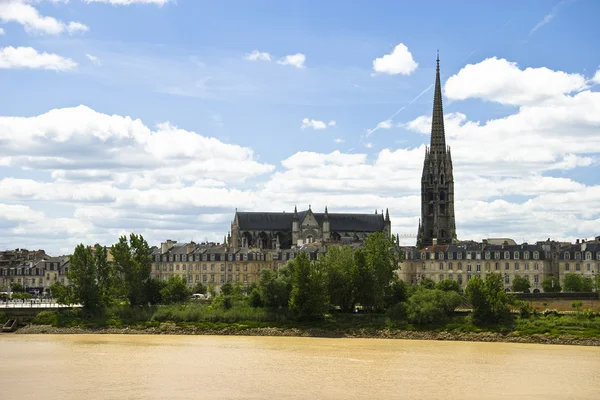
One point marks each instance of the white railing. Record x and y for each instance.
(34, 303)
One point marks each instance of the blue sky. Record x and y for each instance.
(186, 63)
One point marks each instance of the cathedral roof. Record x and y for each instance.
(339, 222)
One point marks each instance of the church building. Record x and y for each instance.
(437, 224)
(281, 230)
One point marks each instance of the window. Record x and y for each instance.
(204, 278)
(487, 255)
(567, 256)
(578, 256)
(588, 256)
(441, 277)
(237, 267)
(497, 266)
(577, 267)
(440, 255)
(507, 255)
(177, 267)
(469, 267)
(441, 266)
(450, 256)
(197, 278)
(567, 267)
(245, 278)
(588, 267)
(230, 267)
(598, 255)
(184, 267)
(468, 277)
(203, 267)
(526, 266)
(526, 255)
(536, 255)
(497, 255)
(450, 266)
(423, 256)
(506, 267)
(506, 279)
(459, 255)
(536, 267)
(487, 266)
(516, 266)
(222, 278)
(478, 268)
(222, 267)
(516, 253)
(536, 279)
(245, 267)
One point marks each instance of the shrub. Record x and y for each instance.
(428, 306)
(46, 318)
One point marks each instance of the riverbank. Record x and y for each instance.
(174, 329)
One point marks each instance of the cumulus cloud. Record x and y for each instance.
(1, 31)
(316, 124)
(339, 140)
(399, 61)
(501, 81)
(19, 11)
(114, 175)
(387, 124)
(28, 57)
(258, 56)
(295, 60)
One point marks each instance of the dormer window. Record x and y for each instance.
(487, 255)
(526, 255)
(516, 255)
(497, 255)
(536, 255)
(567, 256)
(578, 256)
(588, 255)
(459, 255)
(507, 255)
(423, 256)
(450, 256)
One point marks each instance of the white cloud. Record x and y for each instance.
(28, 57)
(93, 59)
(25, 14)
(113, 175)
(258, 56)
(596, 78)
(339, 140)
(296, 60)
(316, 124)
(502, 81)
(369, 145)
(159, 3)
(1, 31)
(387, 124)
(399, 61)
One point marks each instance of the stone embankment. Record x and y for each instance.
(173, 329)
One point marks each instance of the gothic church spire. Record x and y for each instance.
(438, 135)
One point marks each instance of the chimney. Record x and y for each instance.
(434, 240)
(577, 241)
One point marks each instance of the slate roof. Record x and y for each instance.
(280, 221)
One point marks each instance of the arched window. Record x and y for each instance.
(567, 256)
(442, 179)
(442, 196)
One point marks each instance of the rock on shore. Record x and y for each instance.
(173, 329)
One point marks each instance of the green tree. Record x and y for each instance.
(106, 277)
(427, 306)
(275, 288)
(60, 293)
(153, 290)
(309, 287)
(365, 283)
(175, 291)
(427, 283)
(551, 285)
(448, 285)
(577, 283)
(83, 278)
(17, 287)
(133, 263)
(199, 288)
(255, 299)
(212, 291)
(398, 292)
(226, 289)
(488, 299)
(520, 284)
(382, 264)
(342, 276)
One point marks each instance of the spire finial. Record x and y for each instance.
(438, 59)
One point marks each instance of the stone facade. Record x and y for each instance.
(581, 258)
(36, 276)
(273, 231)
(216, 265)
(462, 261)
(437, 224)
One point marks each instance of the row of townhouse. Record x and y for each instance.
(218, 264)
(534, 262)
(35, 276)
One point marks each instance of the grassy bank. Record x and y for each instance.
(197, 318)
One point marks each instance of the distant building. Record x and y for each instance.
(281, 230)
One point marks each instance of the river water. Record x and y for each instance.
(231, 367)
